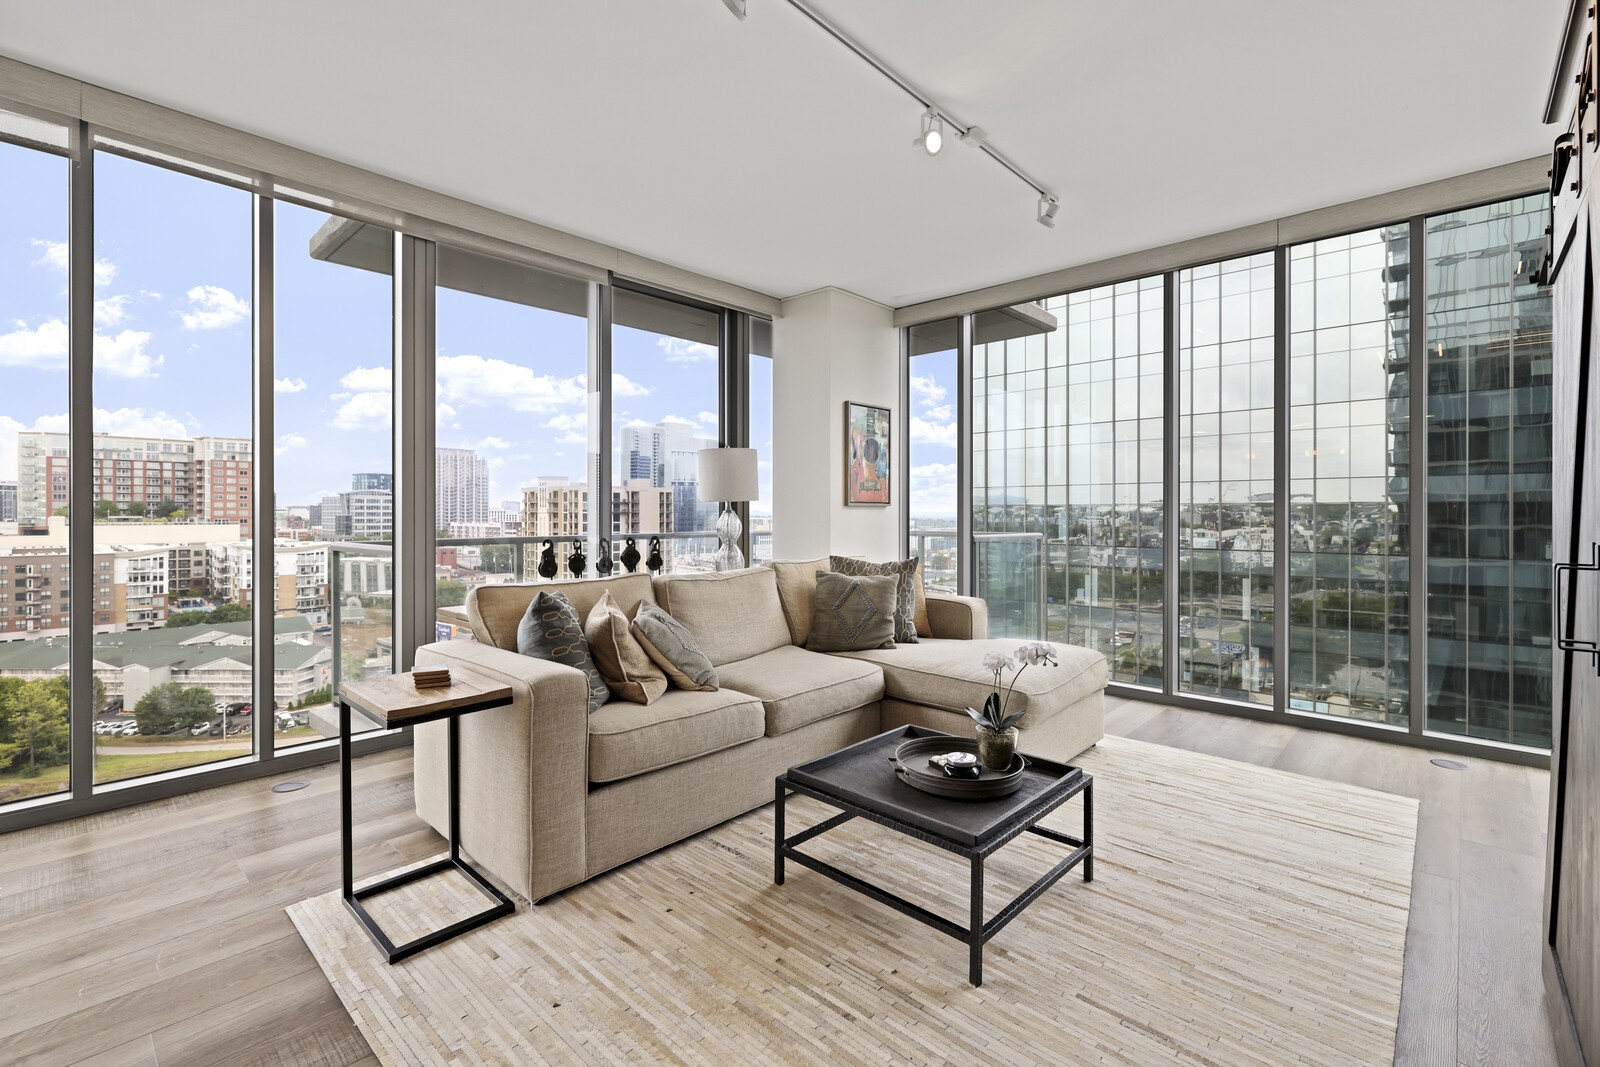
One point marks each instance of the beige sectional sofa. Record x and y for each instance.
(551, 796)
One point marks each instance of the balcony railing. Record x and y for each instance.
(1008, 575)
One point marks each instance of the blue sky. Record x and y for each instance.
(932, 430)
(173, 341)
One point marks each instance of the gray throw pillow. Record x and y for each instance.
(550, 629)
(850, 613)
(905, 604)
(673, 648)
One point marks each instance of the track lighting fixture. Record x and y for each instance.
(1048, 206)
(931, 139)
(934, 119)
(737, 7)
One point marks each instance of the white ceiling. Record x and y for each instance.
(763, 153)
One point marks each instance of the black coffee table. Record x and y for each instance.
(860, 782)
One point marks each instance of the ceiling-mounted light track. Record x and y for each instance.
(737, 7)
(940, 117)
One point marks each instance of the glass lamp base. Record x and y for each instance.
(728, 557)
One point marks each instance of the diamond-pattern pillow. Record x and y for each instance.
(850, 613)
(905, 606)
(550, 629)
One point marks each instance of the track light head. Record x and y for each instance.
(1048, 206)
(931, 140)
(737, 7)
(974, 137)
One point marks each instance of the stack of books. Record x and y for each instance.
(431, 677)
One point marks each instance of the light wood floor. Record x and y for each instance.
(157, 936)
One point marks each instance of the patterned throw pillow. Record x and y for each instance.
(905, 605)
(851, 613)
(674, 649)
(550, 630)
(628, 670)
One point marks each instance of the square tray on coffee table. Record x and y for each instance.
(860, 782)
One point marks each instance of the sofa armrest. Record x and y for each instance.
(524, 770)
(965, 618)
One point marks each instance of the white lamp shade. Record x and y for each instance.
(728, 474)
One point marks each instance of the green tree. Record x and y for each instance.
(200, 617)
(179, 619)
(36, 726)
(137, 508)
(62, 513)
(166, 509)
(230, 613)
(170, 708)
(499, 559)
(449, 593)
(104, 509)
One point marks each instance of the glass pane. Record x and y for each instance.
(1349, 563)
(931, 452)
(663, 407)
(512, 422)
(1226, 555)
(1489, 474)
(761, 439)
(1106, 581)
(34, 610)
(172, 466)
(334, 449)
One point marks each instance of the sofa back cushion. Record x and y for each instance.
(733, 614)
(797, 583)
(495, 610)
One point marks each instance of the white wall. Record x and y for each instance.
(830, 347)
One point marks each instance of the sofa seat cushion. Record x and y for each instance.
(947, 674)
(797, 687)
(626, 739)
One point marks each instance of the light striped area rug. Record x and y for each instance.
(1238, 915)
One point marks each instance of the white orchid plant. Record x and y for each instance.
(993, 716)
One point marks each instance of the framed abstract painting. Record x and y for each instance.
(866, 454)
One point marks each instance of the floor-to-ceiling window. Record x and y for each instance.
(760, 408)
(1349, 418)
(34, 577)
(1105, 409)
(512, 420)
(1226, 561)
(333, 448)
(172, 468)
(1488, 363)
(931, 491)
(665, 362)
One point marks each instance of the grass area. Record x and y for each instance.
(107, 769)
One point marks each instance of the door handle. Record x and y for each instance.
(1565, 641)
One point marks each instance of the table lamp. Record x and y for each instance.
(728, 475)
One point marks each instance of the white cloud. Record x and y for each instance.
(570, 429)
(55, 258)
(111, 311)
(933, 490)
(288, 441)
(942, 413)
(124, 355)
(926, 391)
(677, 420)
(442, 413)
(53, 423)
(288, 385)
(45, 348)
(365, 411)
(924, 432)
(368, 380)
(679, 350)
(136, 422)
(706, 418)
(213, 308)
(42, 348)
(489, 382)
(492, 442)
(624, 386)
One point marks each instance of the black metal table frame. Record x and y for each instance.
(502, 904)
(977, 932)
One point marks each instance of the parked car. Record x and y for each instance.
(127, 729)
(202, 728)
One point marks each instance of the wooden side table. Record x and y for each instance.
(396, 701)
